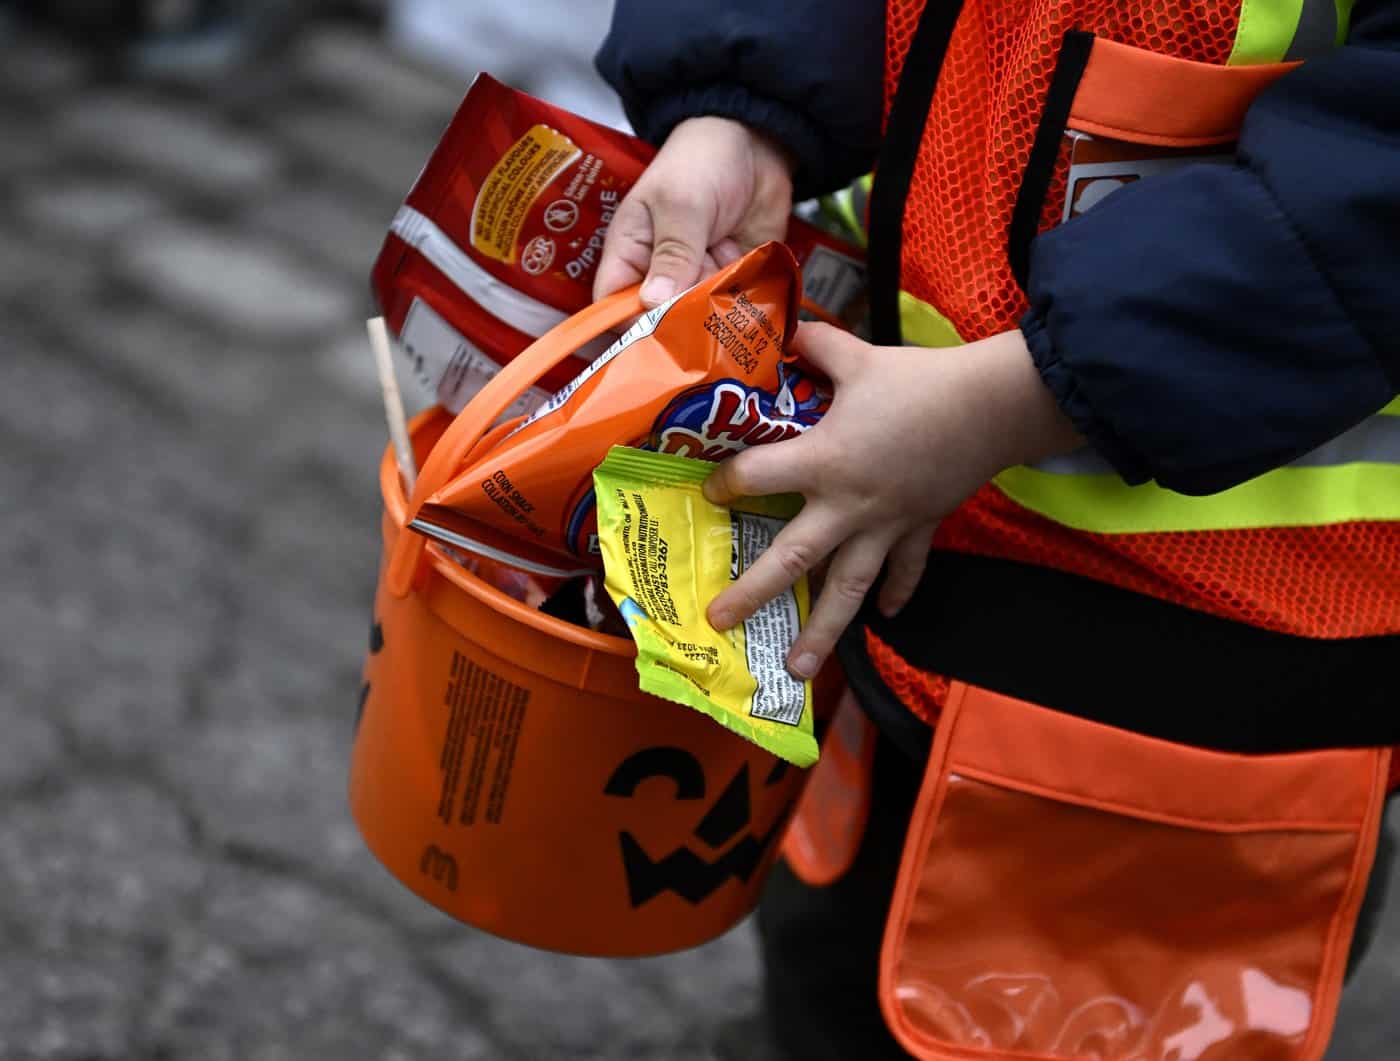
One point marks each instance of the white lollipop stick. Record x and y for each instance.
(393, 401)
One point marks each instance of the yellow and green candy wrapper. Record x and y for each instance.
(668, 552)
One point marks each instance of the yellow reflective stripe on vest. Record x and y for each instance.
(1287, 497)
(847, 207)
(922, 325)
(1343, 20)
(1274, 31)
(1355, 476)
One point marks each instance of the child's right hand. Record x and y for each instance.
(715, 190)
(911, 433)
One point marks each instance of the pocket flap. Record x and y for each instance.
(1131, 94)
(1079, 761)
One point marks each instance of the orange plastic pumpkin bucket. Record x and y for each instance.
(507, 769)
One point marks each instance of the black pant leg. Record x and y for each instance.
(821, 946)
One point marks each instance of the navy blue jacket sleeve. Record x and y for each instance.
(806, 72)
(1203, 327)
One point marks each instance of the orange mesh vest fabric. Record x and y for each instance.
(1334, 581)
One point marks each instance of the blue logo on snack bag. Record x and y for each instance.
(710, 422)
(716, 420)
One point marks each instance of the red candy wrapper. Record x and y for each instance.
(500, 238)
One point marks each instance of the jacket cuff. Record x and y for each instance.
(1060, 378)
(817, 159)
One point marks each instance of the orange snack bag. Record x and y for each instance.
(704, 375)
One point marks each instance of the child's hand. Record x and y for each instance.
(910, 434)
(715, 190)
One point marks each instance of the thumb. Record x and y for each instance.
(828, 349)
(680, 236)
(626, 248)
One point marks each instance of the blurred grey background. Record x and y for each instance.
(193, 194)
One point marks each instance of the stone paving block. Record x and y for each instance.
(343, 440)
(346, 364)
(168, 141)
(25, 140)
(276, 785)
(422, 922)
(106, 554)
(107, 859)
(51, 401)
(245, 100)
(309, 573)
(275, 669)
(377, 155)
(68, 1005)
(112, 700)
(42, 277)
(279, 971)
(263, 779)
(34, 628)
(113, 601)
(41, 66)
(346, 63)
(558, 1005)
(247, 285)
(87, 208)
(278, 917)
(124, 711)
(269, 782)
(31, 749)
(666, 1006)
(214, 374)
(345, 231)
(148, 600)
(728, 969)
(321, 522)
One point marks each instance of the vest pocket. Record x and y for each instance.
(1070, 890)
(1130, 113)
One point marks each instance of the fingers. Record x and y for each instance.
(903, 569)
(777, 468)
(715, 189)
(726, 252)
(852, 573)
(659, 239)
(829, 350)
(680, 239)
(799, 547)
(769, 222)
(626, 248)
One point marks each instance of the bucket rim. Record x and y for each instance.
(395, 504)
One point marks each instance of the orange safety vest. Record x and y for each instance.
(1176, 74)
(1069, 889)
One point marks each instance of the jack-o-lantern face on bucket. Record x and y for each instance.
(682, 871)
(376, 643)
(507, 768)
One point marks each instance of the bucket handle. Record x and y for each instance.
(486, 408)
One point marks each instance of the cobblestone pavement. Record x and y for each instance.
(190, 430)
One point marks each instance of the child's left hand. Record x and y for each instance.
(911, 433)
